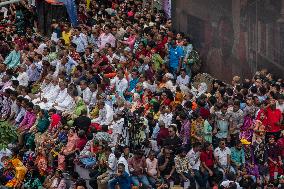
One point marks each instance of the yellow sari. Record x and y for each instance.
(21, 171)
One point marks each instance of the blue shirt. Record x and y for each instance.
(175, 54)
(13, 59)
(34, 74)
(132, 84)
(80, 42)
(124, 181)
(238, 156)
(70, 65)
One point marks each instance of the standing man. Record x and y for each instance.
(222, 156)
(200, 175)
(175, 57)
(274, 119)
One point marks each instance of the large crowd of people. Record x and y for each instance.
(114, 96)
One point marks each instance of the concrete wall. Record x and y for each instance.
(234, 37)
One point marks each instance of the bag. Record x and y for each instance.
(89, 161)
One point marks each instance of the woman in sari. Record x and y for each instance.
(41, 162)
(20, 172)
(38, 129)
(247, 127)
(68, 151)
(79, 106)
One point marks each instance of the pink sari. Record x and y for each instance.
(71, 145)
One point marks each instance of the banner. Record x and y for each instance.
(72, 11)
(88, 2)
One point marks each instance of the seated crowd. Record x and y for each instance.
(115, 97)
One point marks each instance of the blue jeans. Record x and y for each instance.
(191, 179)
(201, 178)
(141, 178)
(152, 181)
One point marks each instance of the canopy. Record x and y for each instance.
(54, 2)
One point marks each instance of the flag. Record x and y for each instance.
(88, 4)
(72, 11)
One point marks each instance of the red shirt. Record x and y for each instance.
(280, 144)
(163, 134)
(273, 117)
(207, 158)
(81, 143)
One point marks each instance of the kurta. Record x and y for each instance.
(13, 59)
(61, 96)
(67, 104)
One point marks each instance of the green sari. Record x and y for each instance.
(41, 125)
(79, 106)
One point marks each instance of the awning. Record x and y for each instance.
(54, 2)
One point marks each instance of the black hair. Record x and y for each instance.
(253, 89)
(104, 128)
(206, 145)
(229, 91)
(15, 82)
(30, 105)
(196, 144)
(81, 182)
(121, 165)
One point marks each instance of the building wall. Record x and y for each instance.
(234, 37)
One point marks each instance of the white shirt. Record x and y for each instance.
(67, 105)
(120, 85)
(61, 96)
(194, 159)
(221, 155)
(226, 184)
(110, 58)
(86, 94)
(166, 118)
(23, 79)
(93, 98)
(14, 107)
(182, 81)
(117, 126)
(52, 94)
(169, 85)
(116, 130)
(112, 163)
(81, 42)
(45, 88)
(106, 38)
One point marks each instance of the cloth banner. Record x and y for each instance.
(71, 10)
(88, 2)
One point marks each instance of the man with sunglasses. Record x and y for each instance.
(173, 142)
(222, 156)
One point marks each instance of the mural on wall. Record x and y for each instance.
(234, 37)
